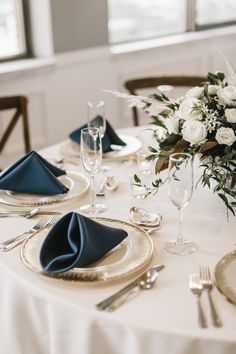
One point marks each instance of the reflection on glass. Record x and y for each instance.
(210, 12)
(12, 36)
(131, 20)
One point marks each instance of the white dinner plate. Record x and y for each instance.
(77, 183)
(131, 255)
(70, 148)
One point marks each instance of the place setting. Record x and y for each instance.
(34, 182)
(89, 250)
(115, 146)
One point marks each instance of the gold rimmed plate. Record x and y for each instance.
(133, 144)
(130, 256)
(225, 271)
(77, 184)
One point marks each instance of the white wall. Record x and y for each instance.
(58, 92)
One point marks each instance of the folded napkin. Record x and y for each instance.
(33, 175)
(76, 241)
(110, 136)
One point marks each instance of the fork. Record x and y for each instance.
(53, 220)
(205, 278)
(13, 242)
(42, 224)
(196, 287)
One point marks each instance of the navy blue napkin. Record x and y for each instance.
(110, 136)
(33, 174)
(77, 241)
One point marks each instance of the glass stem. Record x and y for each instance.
(180, 224)
(93, 190)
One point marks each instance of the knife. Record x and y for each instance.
(108, 301)
(23, 212)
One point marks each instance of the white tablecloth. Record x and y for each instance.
(41, 315)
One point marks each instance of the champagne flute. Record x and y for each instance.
(96, 116)
(180, 180)
(97, 119)
(91, 157)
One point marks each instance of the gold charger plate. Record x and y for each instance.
(131, 255)
(225, 271)
(71, 149)
(77, 183)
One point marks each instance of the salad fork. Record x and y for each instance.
(196, 287)
(205, 278)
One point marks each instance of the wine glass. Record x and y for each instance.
(180, 180)
(96, 116)
(91, 157)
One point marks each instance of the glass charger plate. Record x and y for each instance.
(225, 271)
(132, 255)
(77, 183)
(71, 149)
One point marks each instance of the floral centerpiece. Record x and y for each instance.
(201, 122)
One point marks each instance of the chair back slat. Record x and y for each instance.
(19, 103)
(133, 85)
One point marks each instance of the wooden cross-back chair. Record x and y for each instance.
(133, 85)
(19, 103)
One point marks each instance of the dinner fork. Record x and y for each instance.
(196, 287)
(205, 278)
(15, 241)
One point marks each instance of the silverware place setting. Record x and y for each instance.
(196, 287)
(43, 223)
(207, 284)
(199, 283)
(145, 281)
(27, 213)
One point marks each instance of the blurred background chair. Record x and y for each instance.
(19, 104)
(134, 85)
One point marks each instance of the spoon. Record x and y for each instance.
(26, 215)
(146, 283)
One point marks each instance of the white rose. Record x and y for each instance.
(196, 92)
(230, 115)
(225, 136)
(212, 89)
(172, 124)
(227, 95)
(185, 110)
(194, 132)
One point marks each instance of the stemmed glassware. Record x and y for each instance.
(96, 116)
(180, 180)
(91, 157)
(97, 119)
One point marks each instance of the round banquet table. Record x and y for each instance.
(42, 315)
